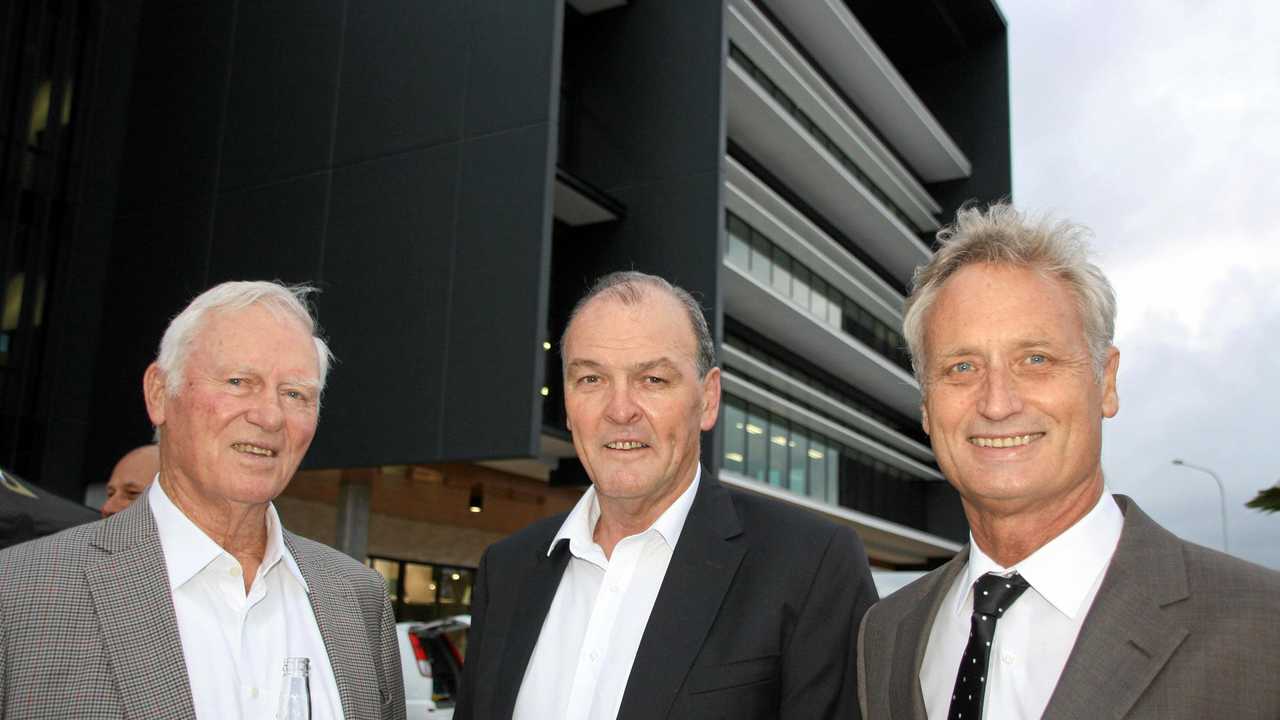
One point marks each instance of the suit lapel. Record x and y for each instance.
(536, 591)
(701, 570)
(134, 605)
(341, 627)
(1125, 639)
(906, 699)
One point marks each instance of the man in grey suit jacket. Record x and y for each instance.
(1068, 602)
(185, 604)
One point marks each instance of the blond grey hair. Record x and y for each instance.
(1002, 235)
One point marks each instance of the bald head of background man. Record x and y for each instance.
(131, 476)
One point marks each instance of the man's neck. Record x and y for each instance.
(239, 529)
(623, 517)
(1009, 537)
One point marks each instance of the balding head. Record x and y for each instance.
(131, 476)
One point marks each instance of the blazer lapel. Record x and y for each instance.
(1125, 639)
(536, 591)
(134, 605)
(340, 621)
(906, 699)
(700, 573)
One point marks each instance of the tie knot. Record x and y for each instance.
(993, 594)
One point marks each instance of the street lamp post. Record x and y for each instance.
(1222, 496)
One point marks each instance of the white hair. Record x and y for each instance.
(286, 301)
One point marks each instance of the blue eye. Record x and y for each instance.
(1037, 359)
(961, 367)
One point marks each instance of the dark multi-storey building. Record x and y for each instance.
(453, 174)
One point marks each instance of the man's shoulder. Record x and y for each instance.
(534, 537)
(58, 554)
(783, 522)
(1231, 578)
(309, 553)
(895, 605)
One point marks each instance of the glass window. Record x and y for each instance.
(419, 584)
(833, 474)
(798, 466)
(818, 299)
(834, 315)
(817, 457)
(735, 436)
(800, 286)
(390, 571)
(739, 250)
(757, 444)
(760, 263)
(455, 586)
(781, 271)
(778, 451)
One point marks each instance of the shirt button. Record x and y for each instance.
(1007, 658)
(234, 571)
(594, 656)
(253, 693)
(613, 587)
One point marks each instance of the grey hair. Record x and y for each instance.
(1004, 236)
(286, 301)
(628, 288)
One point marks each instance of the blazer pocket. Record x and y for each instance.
(740, 673)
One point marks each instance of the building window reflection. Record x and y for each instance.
(424, 591)
(776, 268)
(768, 448)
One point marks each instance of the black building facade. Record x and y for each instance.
(452, 175)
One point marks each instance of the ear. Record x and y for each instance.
(710, 399)
(1110, 397)
(924, 416)
(155, 393)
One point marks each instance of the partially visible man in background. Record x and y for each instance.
(132, 475)
(186, 604)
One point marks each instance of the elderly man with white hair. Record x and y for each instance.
(187, 604)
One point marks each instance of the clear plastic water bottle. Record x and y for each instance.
(295, 693)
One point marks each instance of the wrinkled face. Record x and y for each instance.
(131, 476)
(634, 401)
(1012, 406)
(246, 410)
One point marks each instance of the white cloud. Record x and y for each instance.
(1157, 123)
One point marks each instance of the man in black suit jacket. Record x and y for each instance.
(663, 594)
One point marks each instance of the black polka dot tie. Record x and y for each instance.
(992, 596)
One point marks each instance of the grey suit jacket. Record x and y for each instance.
(88, 629)
(1176, 631)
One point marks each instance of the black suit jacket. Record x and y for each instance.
(756, 617)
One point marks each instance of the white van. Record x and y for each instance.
(431, 657)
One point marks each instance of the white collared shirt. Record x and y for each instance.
(235, 643)
(1035, 636)
(580, 665)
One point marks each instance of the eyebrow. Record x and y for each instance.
(643, 366)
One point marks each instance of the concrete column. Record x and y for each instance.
(354, 491)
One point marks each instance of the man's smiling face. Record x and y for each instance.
(246, 409)
(634, 401)
(1011, 402)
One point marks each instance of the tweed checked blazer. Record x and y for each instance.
(88, 629)
(1175, 631)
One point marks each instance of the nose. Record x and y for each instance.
(266, 412)
(621, 408)
(1000, 398)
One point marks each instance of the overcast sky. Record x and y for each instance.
(1157, 124)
